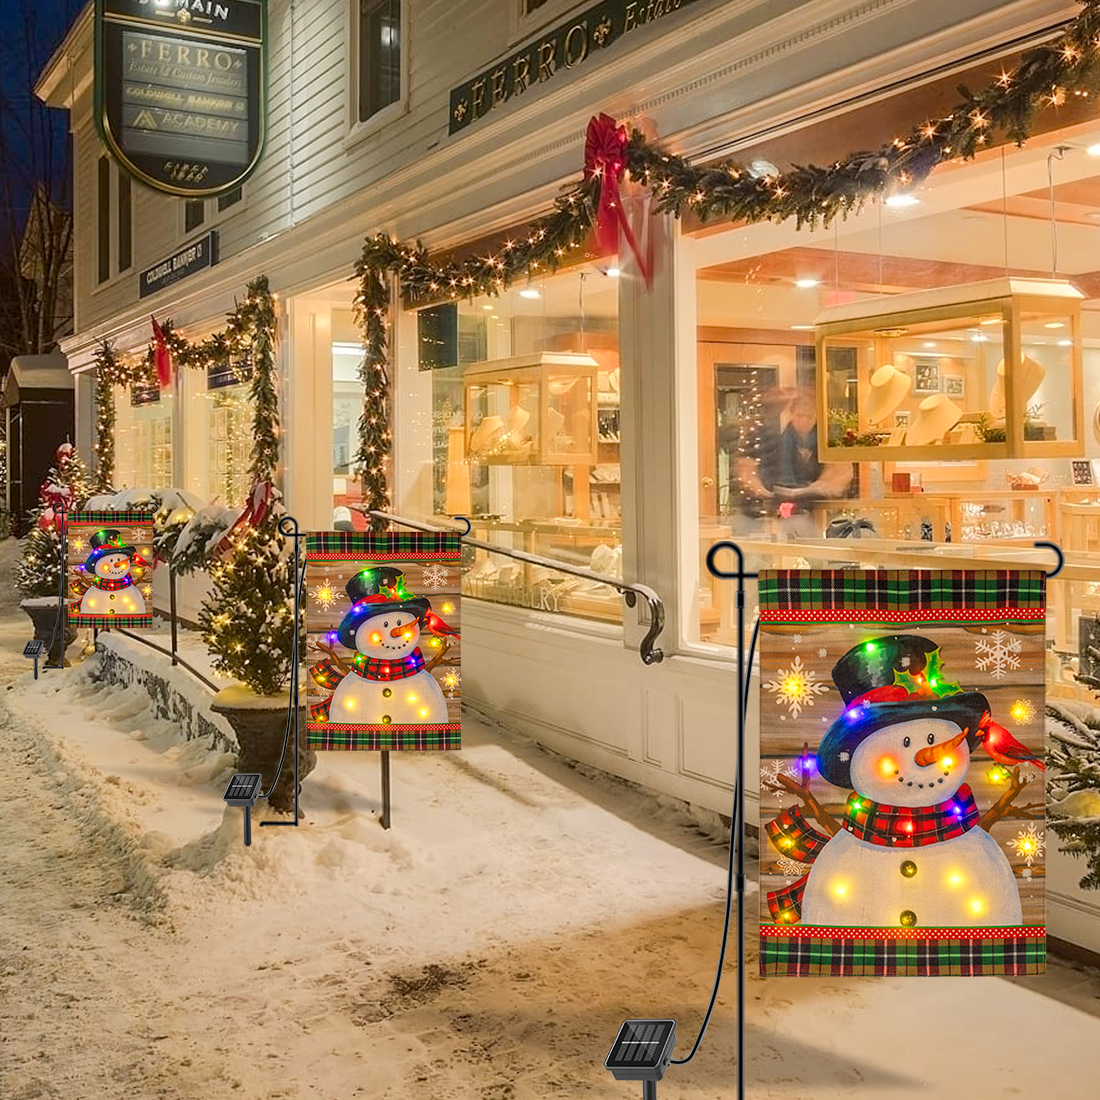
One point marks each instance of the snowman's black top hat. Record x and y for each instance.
(866, 679)
(104, 543)
(375, 591)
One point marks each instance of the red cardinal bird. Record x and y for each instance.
(438, 627)
(1003, 747)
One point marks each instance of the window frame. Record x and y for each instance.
(522, 23)
(212, 216)
(109, 234)
(361, 128)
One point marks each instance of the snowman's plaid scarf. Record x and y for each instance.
(328, 674)
(873, 822)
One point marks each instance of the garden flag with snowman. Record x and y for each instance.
(901, 793)
(109, 569)
(382, 622)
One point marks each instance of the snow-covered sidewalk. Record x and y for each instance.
(487, 946)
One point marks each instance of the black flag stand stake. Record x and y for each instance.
(736, 880)
(288, 528)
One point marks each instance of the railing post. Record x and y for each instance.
(172, 610)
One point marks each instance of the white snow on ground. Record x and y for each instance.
(485, 947)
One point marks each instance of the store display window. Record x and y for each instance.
(526, 434)
(924, 373)
(143, 435)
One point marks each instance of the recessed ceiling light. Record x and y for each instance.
(802, 328)
(1093, 150)
(929, 343)
(990, 321)
(979, 338)
(487, 307)
(529, 292)
(613, 272)
(1065, 343)
(901, 200)
(1055, 324)
(807, 284)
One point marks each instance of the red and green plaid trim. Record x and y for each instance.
(785, 905)
(391, 738)
(392, 546)
(901, 595)
(910, 826)
(115, 519)
(326, 674)
(76, 619)
(829, 952)
(795, 837)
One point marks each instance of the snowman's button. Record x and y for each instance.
(386, 719)
(908, 868)
(386, 693)
(908, 918)
(111, 596)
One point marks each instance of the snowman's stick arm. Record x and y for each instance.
(816, 810)
(331, 651)
(1003, 806)
(437, 659)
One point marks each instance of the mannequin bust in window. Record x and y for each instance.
(779, 464)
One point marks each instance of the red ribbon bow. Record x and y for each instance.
(605, 156)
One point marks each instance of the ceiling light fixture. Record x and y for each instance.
(1065, 343)
(529, 292)
(807, 284)
(901, 200)
(802, 328)
(979, 338)
(1055, 324)
(1093, 150)
(613, 272)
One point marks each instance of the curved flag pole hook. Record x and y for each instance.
(465, 520)
(1057, 550)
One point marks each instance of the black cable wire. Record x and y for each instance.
(293, 708)
(745, 678)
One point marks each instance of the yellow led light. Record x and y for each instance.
(948, 762)
(887, 765)
(955, 880)
(376, 638)
(976, 906)
(423, 712)
(412, 697)
(840, 889)
(448, 608)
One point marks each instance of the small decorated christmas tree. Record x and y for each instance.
(66, 488)
(247, 618)
(1074, 788)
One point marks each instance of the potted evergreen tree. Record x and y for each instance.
(38, 576)
(247, 619)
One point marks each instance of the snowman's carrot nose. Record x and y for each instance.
(937, 752)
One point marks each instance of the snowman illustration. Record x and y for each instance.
(387, 681)
(106, 586)
(910, 851)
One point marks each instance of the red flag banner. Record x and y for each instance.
(162, 356)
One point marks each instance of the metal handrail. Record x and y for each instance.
(630, 592)
(176, 658)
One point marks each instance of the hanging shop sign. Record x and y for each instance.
(901, 783)
(232, 371)
(180, 90)
(193, 257)
(567, 47)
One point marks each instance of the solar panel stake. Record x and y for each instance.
(641, 1052)
(243, 790)
(33, 649)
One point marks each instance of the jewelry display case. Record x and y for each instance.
(986, 370)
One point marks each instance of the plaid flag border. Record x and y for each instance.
(124, 519)
(868, 953)
(391, 738)
(107, 621)
(877, 595)
(393, 545)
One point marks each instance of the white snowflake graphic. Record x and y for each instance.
(823, 652)
(795, 687)
(997, 654)
(325, 595)
(1029, 844)
(434, 576)
(788, 866)
(771, 771)
(797, 639)
(452, 681)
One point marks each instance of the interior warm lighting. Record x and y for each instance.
(802, 328)
(1093, 150)
(613, 272)
(929, 343)
(902, 200)
(530, 292)
(1065, 343)
(807, 284)
(979, 338)
(487, 306)
(1055, 324)
(991, 320)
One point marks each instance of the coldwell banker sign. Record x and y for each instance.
(180, 90)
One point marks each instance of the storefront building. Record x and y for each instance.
(594, 419)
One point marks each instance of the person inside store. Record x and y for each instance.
(779, 471)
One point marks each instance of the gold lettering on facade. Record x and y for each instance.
(477, 97)
(576, 45)
(521, 75)
(500, 88)
(630, 21)
(546, 60)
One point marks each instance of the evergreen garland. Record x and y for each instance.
(258, 321)
(1046, 77)
(1074, 787)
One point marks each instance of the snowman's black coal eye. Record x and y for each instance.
(931, 739)
(905, 743)
(385, 624)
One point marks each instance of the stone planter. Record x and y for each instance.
(42, 611)
(259, 721)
